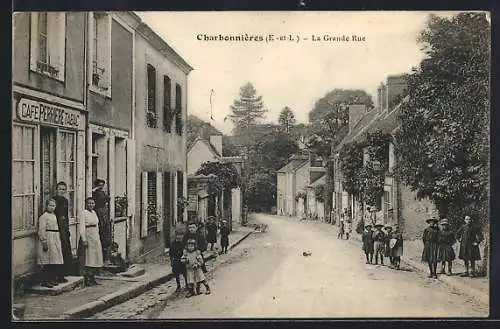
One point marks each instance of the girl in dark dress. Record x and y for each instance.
(178, 267)
(224, 236)
(368, 243)
(470, 236)
(62, 215)
(446, 239)
(430, 253)
(396, 245)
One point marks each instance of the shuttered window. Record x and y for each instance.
(151, 115)
(23, 177)
(180, 196)
(178, 109)
(168, 210)
(152, 202)
(167, 112)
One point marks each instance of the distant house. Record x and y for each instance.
(398, 204)
(292, 181)
(201, 203)
(315, 207)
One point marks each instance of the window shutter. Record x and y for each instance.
(159, 201)
(33, 40)
(144, 201)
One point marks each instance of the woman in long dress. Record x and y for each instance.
(90, 240)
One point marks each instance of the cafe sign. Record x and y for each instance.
(49, 114)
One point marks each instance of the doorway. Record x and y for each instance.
(48, 164)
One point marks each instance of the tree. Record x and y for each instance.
(286, 119)
(247, 110)
(196, 127)
(442, 146)
(227, 175)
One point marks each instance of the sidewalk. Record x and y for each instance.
(477, 288)
(82, 302)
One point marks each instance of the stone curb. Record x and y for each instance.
(471, 292)
(127, 293)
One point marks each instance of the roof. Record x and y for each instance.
(319, 181)
(293, 165)
(386, 121)
(233, 159)
(207, 143)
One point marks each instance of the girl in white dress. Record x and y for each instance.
(91, 241)
(49, 245)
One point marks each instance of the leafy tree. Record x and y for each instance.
(227, 175)
(443, 142)
(286, 119)
(351, 166)
(247, 110)
(261, 191)
(196, 127)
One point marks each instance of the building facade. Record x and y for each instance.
(49, 122)
(161, 81)
(110, 67)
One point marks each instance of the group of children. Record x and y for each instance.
(186, 257)
(383, 242)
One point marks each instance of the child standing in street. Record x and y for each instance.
(430, 253)
(368, 243)
(224, 236)
(379, 243)
(396, 245)
(387, 247)
(50, 255)
(347, 228)
(193, 261)
(446, 240)
(178, 268)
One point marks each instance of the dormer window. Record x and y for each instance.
(100, 27)
(48, 43)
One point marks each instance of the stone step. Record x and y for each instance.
(73, 282)
(133, 271)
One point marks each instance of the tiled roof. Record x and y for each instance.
(293, 165)
(209, 145)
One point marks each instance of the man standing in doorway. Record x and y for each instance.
(101, 208)
(62, 215)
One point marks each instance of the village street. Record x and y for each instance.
(268, 276)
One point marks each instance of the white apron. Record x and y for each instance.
(89, 231)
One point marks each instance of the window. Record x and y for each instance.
(178, 109)
(167, 112)
(152, 203)
(23, 177)
(151, 114)
(101, 52)
(67, 167)
(48, 43)
(387, 207)
(167, 188)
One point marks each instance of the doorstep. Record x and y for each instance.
(73, 282)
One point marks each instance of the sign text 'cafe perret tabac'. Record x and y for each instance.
(49, 114)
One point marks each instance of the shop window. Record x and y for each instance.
(151, 115)
(101, 52)
(67, 167)
(23, 178)
(48, 178)
(120, 167)
(48, 43)
(167, 111)
(99, 157)
(178, 110)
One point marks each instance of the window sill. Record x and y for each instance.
(23, 233)
(102, 92)
(47, 75)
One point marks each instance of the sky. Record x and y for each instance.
(286, 73)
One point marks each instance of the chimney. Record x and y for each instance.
(216, 141)
(396, 86)
(356, 112)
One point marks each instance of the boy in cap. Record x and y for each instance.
(368, 243)
(446, 240)
(430, 252)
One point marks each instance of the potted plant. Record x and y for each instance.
(151, 119)
(153, 215)
(121, 206)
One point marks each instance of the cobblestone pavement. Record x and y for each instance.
(274, 279)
